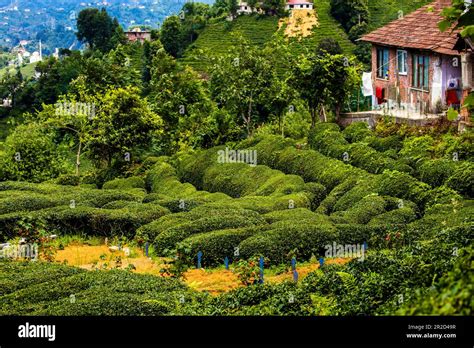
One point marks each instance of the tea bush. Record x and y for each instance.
(127, 183)
(436, 172)
(217, 245)
(307, 236)
(238, 218)
(462, 179)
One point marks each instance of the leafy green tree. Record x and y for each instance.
(350, 12)
(171, 36)
(10, 86)
(232, 7)
(32, 154)
(324, 81)
(98, 29)
(183, 102)
(241, 82)
(73, 115)
(273, 7)
(329, 45)
(123, 125)
(54, 78)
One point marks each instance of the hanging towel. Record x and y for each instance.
(367, 89)
(452, 97)
(379, 95)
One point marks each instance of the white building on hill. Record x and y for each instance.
(298, 5)
(244, 8)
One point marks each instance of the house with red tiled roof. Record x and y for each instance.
(415, 66)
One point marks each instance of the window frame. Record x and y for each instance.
(423, 74)
(402, 53)
(383, 63)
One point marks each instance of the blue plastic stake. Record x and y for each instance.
(365, 246)
(146, 248)
(226, 262)
(295, 275)
(199, 259)
(261, 270)
(321, 262)
(293, 264)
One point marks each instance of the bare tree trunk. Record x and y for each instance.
(313, 117)
(78, 158)
(323, 113)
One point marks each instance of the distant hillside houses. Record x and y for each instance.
(244, 8)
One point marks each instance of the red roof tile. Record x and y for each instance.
(418, 30)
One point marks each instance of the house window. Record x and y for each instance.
(402, 63)
(421, 66)
(382, 63)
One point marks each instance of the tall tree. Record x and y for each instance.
(98, 29)
(241, 81)
(324, 81)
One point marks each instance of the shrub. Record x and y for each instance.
(314, 167)
(383, 144)
(105, 222)
(217, 245)
(276, 244)
(400, 216)
(127, 183)
(356, 132)
(436, 172)
(417, 149)
(462, 180)
(327, 139)
(238, 218)
(359, 234)
(402, 185)
(148, 232)
(290, 215)
(316, 193)
(364, 210)
(31, 154)
(22, 201)
(442, 195)
(363, 187)
(268, 148)
(68, 179)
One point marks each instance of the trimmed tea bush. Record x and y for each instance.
(217, 245)
(127, 183)
(356, 132)
(462, 180)
(290, 215)
(275, 244)
(172, 235)
(364, 210)
(436, 172)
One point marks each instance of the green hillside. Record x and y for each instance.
(27, 70)
(217, 37)
(385, 11)
(328, 28)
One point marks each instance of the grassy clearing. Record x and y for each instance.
(300, 23)
(90, 255)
